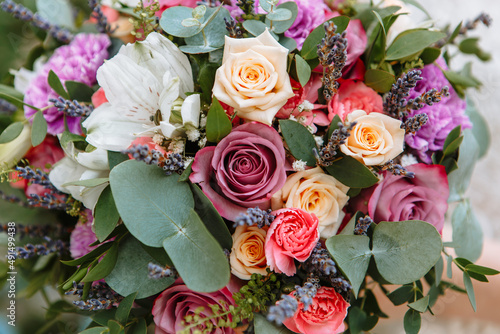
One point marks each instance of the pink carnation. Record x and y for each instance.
(352, 96)
(82, 236)
(292, 235)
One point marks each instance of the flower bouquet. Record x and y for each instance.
(238, 167)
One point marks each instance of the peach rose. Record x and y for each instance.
(248, 255)
(292, 235)
(352, 96)
(375, 139)
(315, 192)
(253, 77)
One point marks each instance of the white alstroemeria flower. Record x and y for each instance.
(79, 167)
(146, 85)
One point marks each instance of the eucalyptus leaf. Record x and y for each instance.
(352, 255)
(480, 128)
(359, 321)
(309, 48)
(280, 27)
(38, 129)
(279, 14)
(11, 132)
(381, 81)
(195, 49)
(481, 270)
(470, 46)
(79, 91)
(218, 124)
(104, 267)
(303, 70)
(171, 22)
(420, 305)
(401, 295)
(405, 251)
(470, 290)
(56, 84)
(130, 273)
(90, 183)
(68, 137)
(148, 212)
(106, 215)
(255, 27)
(352, 173)
(95, 330)
(124, 308)
(139, 328)
(214, 30)
(467, 233)
(288, 43)
(411, 42)
(262, 326)
(197, 256)
(459, 179)
(266, 5)
(116, 158)
(412, 321)
(57, 12)
(299, 140)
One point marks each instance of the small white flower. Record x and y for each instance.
(202, 142)
(292, 118)
(305, 106)
(319, 140)
(408, 159)
(299, 165)
(177, 145)
(193, 134)
(311, 129)
(203, 121)
(158, 139)
(188, 160)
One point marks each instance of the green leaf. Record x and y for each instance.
(16, 101)
(116, 158)
(124, 308)
(103, 268)
(279, 14)
(187, 172)
(289, 43)
(102, 317)
(467, 233)
(106, 215)
(461, 79)
(206, 79)
(171, 22)
(412, 41)
(280, 27)
(452, 147)
(452, 136)
(195, 49)
(405, 251)
(439, 269)
(214, 30)
(420, 305)
(211, 218)
(115, 327)
(68, 137)
(359, 321)
(430, 54)
(79, 91)
(352, 255)
(309, 48)
(334, 125)
(412, 322)
(470, 290)
(38, 129)
(381, 81)
(401, 295)
(95, 330)
(459, 179)
(96, 253)
(56, 85)
(255, 27)
(481, 270)
(303, 70)
(130, 274)
(455, 33)
(57, 12)
(470, 46)
(139, 328)
(299, 140)
(262, 326)
(148, 212)
(349, 228)
(159, 254)
(266, 5)
(11, 132)
(480, 128)
(218, 124)
(419, 6)
(88, 183)
(352, 173)
(197, 255)
(11, 91)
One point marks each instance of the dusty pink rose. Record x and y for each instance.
(352, 96)
(244, 170)
(177, 302)
(325, 316)
(425, 197)
(292, 235)
(356, 44)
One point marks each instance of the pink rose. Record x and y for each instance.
(425, 197)
(292, 235)
(356, 37)
(177, 302)
(244, 170)
(352, 96)
(325, 315)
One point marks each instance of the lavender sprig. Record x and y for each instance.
(102, 22)
(362, 225)
(157, 271)
(307, 291)
(20, 12)
(49, 201)
(285, 308)
(100, 295)
(395, 103)
(172, 163)
(233, 28)
(413, 124)
(326, 155)
(7, 107)
(13, 199)
(255, 216)
(35, 177)
(397, 169)
(71, 108)
(51, 246)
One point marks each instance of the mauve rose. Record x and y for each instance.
(177, 302)
(243, 171)
(325, 315)
(292, 235)
(356, 44)
(424, 197)
(351, 96)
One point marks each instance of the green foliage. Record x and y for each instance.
(303, 70)
(412, 321)
(38, 129)
(79, 91)
(104, 267)
(460, 178)
(263, 326)
(310, 46)
(359, 321)
(218, 123)
(429, 55)
(470, 290)
(299, 140)
(124, 308)
(11, 132)
(381, 81)
(280, 26)
(106, 215)
(480, 128)
(412, 41)
(467, 233)
(448, 156)
(470, 46)
(58, 12)
(56, 84)
(351, 172)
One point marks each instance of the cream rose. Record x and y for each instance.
(375, 139)
(248, 254)
(315, 192)
(253, 78)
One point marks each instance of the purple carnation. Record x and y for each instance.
(311, 13)
(444, 116)
(82, 237)
(77, 61)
